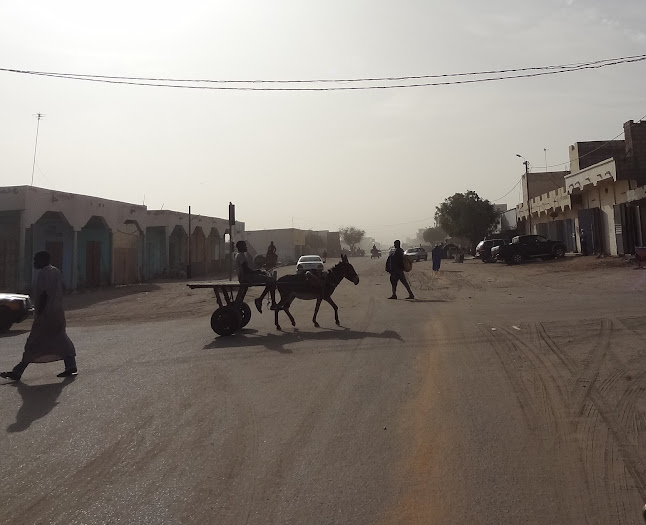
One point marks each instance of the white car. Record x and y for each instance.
(309, 263)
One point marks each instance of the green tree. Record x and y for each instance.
(466, 215)
(314, 241)
(433, 235)
(351, 236)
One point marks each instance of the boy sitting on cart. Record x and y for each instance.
(246, 274)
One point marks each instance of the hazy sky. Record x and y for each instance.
(380, 160)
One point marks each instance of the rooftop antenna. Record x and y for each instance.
(33, 166)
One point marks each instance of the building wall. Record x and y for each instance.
(94, 249)
(334, 244)
(538, 183)
(9, 250)
(127, 244)
(585, 154)
(156, 254)
(58, 222)
(198, 252)
(54, 234)
(289, 242)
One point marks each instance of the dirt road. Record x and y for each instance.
(501, 395)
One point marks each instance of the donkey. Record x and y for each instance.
(311, 286)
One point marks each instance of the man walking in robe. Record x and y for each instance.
(436, 256)
(395, 266)
(48, 340)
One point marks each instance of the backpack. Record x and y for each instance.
(388, 264)
(408, 263)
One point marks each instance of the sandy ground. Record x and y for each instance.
(171, 300)
(500, 395)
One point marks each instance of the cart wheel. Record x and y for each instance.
(226, 320)
(245, 313)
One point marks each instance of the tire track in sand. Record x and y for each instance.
(600, 408)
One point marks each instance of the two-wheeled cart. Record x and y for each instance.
(233, 313)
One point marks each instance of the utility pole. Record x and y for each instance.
(545, 151)
(529, 199)
(188, 267)
(232, 221)
(33, 166)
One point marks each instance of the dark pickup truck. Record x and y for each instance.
(525, 247)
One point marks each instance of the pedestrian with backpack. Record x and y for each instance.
(395, 266)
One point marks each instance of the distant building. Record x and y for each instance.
(291, 243)
(367, 243)
(334, 244)
(100, 242)
(508, 220)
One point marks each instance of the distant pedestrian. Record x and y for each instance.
(459, 255)
(324, 255)
(48, 340)
(395, 267)
(584, 243)
(436, 255)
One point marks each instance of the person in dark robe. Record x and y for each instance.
(395, 266)
(436, 255)
(48, 340)
(248, 275)
(271, 258)
(584, 243)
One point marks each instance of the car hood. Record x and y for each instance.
(12, 296)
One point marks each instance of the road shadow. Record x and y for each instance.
(37, 402)
(277, 342)
(13, 333)
(77, 301)
(427, 300)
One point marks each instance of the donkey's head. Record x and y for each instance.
(348, 270)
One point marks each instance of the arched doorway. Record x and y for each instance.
(95, 253)
(178, 249)
(214, 251)
(198, 256)
(127, 247)
(54, 234)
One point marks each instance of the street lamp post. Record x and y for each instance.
(529, 200)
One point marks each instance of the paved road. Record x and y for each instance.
(502, 395)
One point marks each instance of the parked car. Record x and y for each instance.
(309, 263)
(417, 254)
(14, 308)
(523, 247)
(483, 250)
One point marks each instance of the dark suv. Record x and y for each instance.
(483, 250)
(14, 308)
(525, 247)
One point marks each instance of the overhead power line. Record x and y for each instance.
(386, 82)
(501, 198)
(572, 66)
